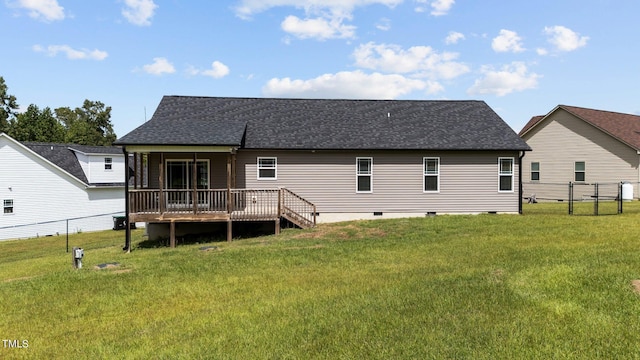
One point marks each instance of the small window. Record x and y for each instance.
(535, 171)
(579, 171)
(505, 174)
(431, 174)
(8, 206)
(364, 172)
(267, 168)
(107, 163)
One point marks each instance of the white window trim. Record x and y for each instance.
(108, 163)
(424, 174)
(583, 171)
(4, 207)
(501, 174)
(275, 168)
(370, 175)
(531, 171)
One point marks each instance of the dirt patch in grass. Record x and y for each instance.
(636, 286)
(317, 246)
(107, 266)
(19, 279)
(342, 233)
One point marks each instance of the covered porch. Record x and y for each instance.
(182, 184)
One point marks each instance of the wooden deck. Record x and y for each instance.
(220, 205)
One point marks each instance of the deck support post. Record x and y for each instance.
(229, 230)
(172, 234)
(278, 226)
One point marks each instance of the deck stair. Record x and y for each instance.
(296, 209)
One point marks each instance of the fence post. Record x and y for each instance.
(570, 198)
(595, 203)
(620, 198)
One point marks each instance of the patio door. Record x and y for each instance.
(179, 183)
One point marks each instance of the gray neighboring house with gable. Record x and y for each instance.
(582, 146)
(212, 159)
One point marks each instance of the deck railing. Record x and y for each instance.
(245, 205)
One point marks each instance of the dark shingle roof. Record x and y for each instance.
(624, 127)
(62, 155)
(264, 123)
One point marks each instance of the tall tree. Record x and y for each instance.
(88, 125)
(37, 125)
(7, 106)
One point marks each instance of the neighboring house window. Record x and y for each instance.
(505, 173)
(364, 172)
(579, 171)
(535, 171)
(107, 163)
(8, 206)
(431, 174)
(267, 168)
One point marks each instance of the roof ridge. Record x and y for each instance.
(599, 110)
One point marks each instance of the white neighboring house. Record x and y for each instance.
(48, 189)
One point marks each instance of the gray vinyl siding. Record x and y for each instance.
(468, 180)
(561, 140)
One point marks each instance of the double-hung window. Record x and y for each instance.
(535, 171)
(8, 206)
(431, 172)
(267, 168)
(108, 163)
(364, 175)
(505, 174)
(580, 171)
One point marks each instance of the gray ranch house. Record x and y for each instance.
(202, 160)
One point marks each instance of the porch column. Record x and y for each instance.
(229, 199)
(194, 183)
(161, 184)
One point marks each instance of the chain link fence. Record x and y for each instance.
(582, 198)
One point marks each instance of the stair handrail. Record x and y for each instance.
(298, 205)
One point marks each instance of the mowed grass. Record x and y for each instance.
(540, 285)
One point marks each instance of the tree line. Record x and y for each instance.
(86, 125)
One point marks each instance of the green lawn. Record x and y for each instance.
(541, 285)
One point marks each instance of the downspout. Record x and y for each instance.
(127, 239)
(520, 190)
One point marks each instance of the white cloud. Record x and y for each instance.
(512, 77)
(384, 24)
(139, 12)
(507, 41)
(438, 7)
(160, 66)
(419, 60)
(441, 7)
(247, 8)
(318, 28)
(565, 39)
(542, 51)
(71, 53)
(218, 70)
(324, 19)
(44, 10)
(349, 85)
(453, 37)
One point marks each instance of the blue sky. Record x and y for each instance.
(522, 57)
